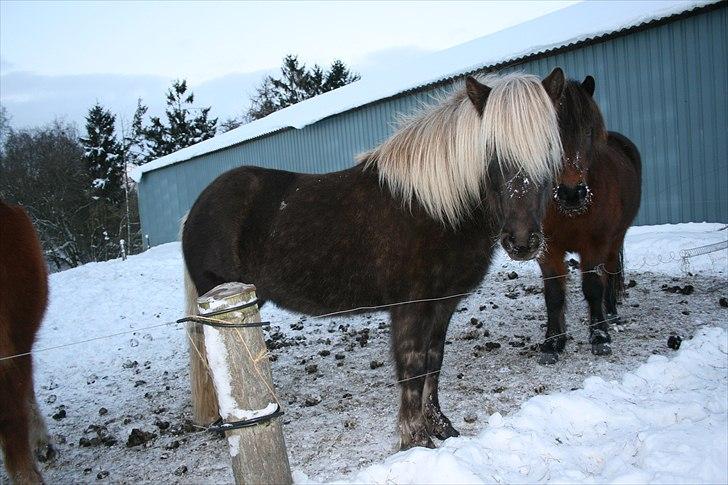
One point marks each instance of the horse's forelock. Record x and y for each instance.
(435, 157)
(520, 127)
(440, 155)
(579, 109)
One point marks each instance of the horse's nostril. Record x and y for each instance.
(508, 242)
(581, 191)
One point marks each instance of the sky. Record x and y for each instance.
(58, 58)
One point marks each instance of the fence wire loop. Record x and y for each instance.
(220, 426)
(214, 322)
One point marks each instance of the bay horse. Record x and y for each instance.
(595, 201)
(23, 299)
(416, 218)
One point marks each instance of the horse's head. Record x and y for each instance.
(582, 128)
(524, 154)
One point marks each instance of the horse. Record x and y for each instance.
(416, 218)
(595, 202)
(23, 300)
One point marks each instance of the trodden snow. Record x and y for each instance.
(632, 417)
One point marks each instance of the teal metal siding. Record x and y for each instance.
(665, 87)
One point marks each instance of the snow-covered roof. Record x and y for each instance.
(576, 23)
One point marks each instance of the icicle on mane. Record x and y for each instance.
(440, 155)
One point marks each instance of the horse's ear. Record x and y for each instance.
(477, 92)
(588, 85)
(554, 83)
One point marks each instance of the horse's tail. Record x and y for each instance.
(204, 400)
(618, 282)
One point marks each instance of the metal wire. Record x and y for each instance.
(599, 269)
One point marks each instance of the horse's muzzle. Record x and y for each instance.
(572, 200)
(522, 249)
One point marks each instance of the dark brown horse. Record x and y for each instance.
(417, 219)
(23, 297)
(594, 204)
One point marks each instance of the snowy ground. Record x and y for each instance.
(634, 416)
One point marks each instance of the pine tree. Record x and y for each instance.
(101, 155)
(182, 128)
(297, 84)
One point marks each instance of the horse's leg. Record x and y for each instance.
(438, 424)
(615, 281)
(410, 341)
(592, 284)
(39, 438)
(554, 274)
(15, 389)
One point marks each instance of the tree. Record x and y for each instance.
(182, 129)
(102, 156)
(106, 166)
(4, 126)
(43, 169)
(133, 152)
(297, 84)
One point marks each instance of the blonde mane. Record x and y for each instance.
(441, 154)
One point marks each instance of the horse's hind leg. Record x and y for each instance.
(553, 271)
(438, 424)
(410, 342)
(615, 282)
(592, 284)
(39, 439)
(15, 389)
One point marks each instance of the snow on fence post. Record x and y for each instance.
(238, 360)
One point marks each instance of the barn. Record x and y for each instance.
(662, 79)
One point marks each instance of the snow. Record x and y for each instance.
(560, 28)
(646, 414)
(665, 422)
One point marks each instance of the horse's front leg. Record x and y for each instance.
(592, 284)
(554, 275)
(410, 341)
(438, 424)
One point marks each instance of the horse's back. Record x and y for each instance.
(623, 144)
(228, 220)
(628, 167)
(23, 280)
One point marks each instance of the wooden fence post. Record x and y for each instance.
(241, 373)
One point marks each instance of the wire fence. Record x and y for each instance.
(600, 269)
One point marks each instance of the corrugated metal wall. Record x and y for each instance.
(665, 87)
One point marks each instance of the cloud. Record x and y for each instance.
(35, 99)
(5, 65)
(385, 58)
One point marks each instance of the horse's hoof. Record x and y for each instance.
(548, 358)
(553, 345)
(599, 336)
(46, 452)
(445, 432)
(604, 348)
(438, 425)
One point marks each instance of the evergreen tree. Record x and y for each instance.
(296, 84)
(134, 143)
(182, 128)
(101, 155)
